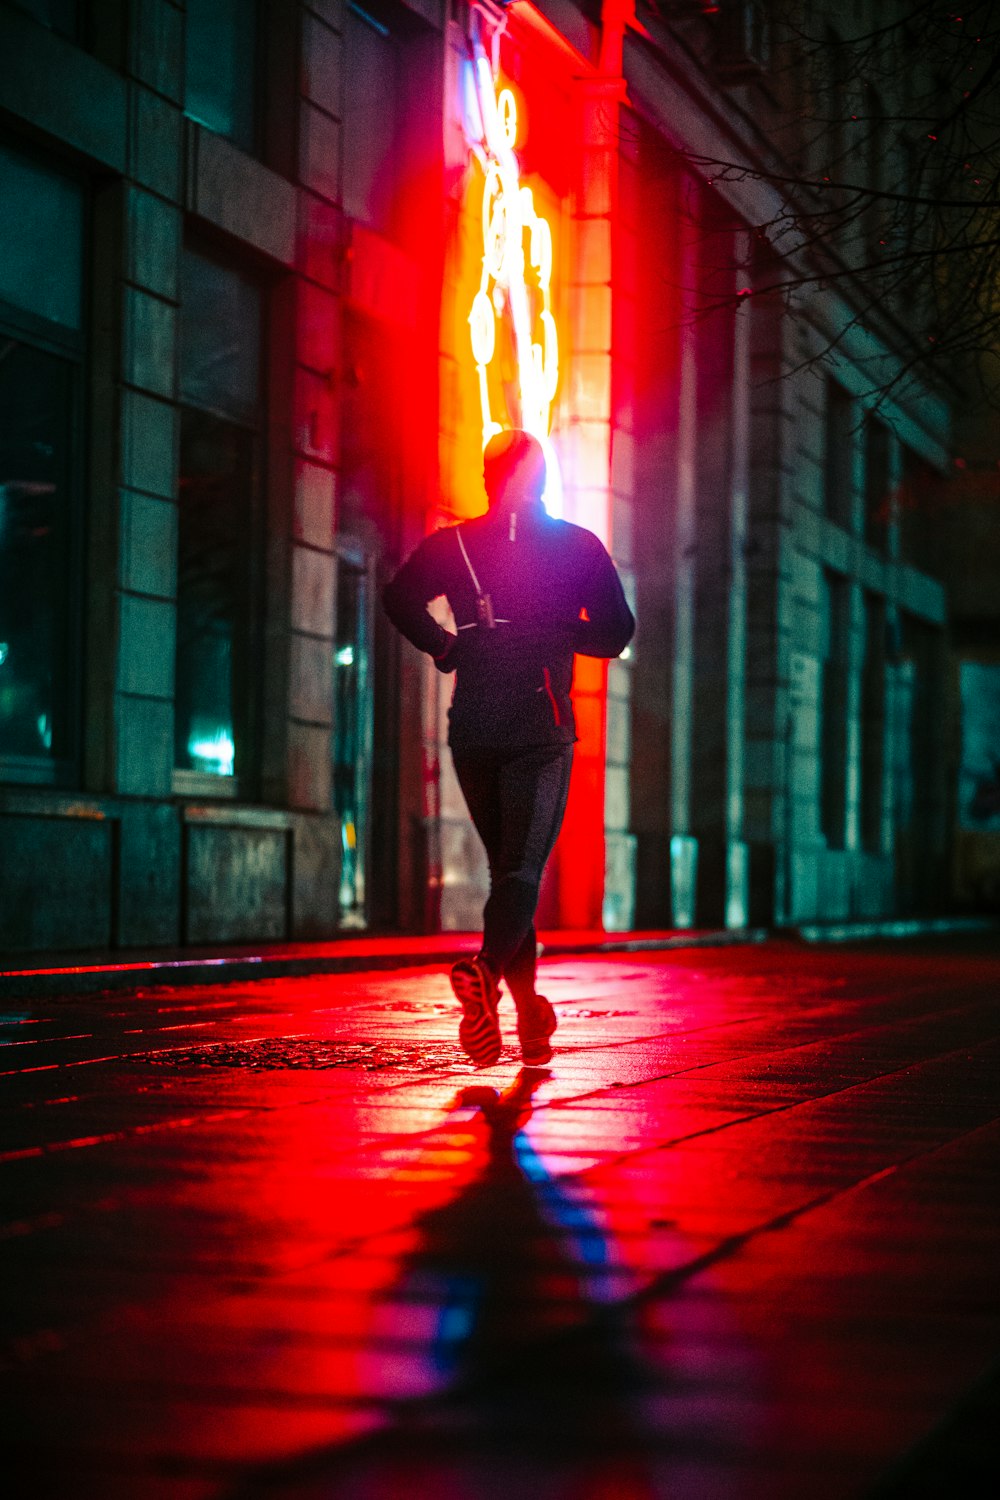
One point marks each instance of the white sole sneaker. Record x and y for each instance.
(478, 993)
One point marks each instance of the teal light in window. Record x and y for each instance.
(213, 753)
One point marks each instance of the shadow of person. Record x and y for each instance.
(537, 1362)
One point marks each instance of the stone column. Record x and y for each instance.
(316, 311)
(144, 688)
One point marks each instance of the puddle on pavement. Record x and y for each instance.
(273, 1053)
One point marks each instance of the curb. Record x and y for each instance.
(105, 976)
(895, 927)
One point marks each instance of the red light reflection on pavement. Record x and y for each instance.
(739, 1241)
(491, 1286)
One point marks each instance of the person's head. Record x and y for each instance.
(513, 467)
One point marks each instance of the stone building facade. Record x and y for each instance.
(242, 246)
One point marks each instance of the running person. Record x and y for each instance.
(526, 592)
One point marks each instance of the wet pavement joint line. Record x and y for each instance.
(733, 1244)
(109, 1137)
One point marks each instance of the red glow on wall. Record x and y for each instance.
(565, 157)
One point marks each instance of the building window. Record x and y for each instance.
(838, 465)
(979, 769)
(919, 782)
(58, 15)
(878, 507)
(834, 623)
(220, 68)
(353, 714)
(873, 725)
(41, 353)
(372, 143)
(921, 508)
(220, 464)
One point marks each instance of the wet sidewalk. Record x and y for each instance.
(739, 1240)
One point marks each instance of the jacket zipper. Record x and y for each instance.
(552, 696)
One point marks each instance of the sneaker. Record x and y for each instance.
(479, 994)
(536, 1021)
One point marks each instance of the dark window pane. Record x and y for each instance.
(35, 441)
(214, 616)
(352, 735)
(919, 783)
(877, 497)
(873, 725)
(59, 15)
(835, 620)
(979, 772)
(838, 463)
(220, 339)
(371, 123)
(921, 503)
(41, 247)
(220, 67)
(220, 373)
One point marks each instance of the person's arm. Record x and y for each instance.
(609, 624)
(405, 600)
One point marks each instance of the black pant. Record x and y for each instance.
(516, 799)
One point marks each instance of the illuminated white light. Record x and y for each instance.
(4, 652)
(494, 225)
(509, 214)
(541, 250)
(216, 754)
(550, 359)
(484, 329)
(507, 115)
(345, 656)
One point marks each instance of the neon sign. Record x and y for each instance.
(516, 282)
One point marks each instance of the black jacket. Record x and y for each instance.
(554, 591)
